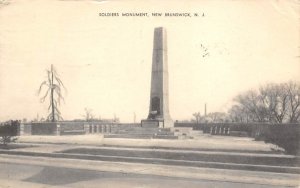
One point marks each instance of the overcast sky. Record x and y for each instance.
(105, 62)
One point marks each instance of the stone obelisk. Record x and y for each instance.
(159, 95)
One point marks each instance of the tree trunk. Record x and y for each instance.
(52, 96)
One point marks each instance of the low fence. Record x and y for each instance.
(231, 129)
(72, 128)
(194, 125)
(255, 130)
(25, 129)
(94, 128)
(45, 128)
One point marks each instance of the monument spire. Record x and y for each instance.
(159, 94)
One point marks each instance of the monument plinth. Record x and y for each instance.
(159, 95)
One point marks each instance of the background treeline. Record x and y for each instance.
(274, 103)
(271, 103)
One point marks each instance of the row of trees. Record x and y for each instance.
(213, 117)
(273, 103)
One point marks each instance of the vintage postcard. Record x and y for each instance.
(127, 93)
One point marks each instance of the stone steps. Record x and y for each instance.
(140, 136)
(222, 160)
(147, 129)
(142, 133)
(204, 156)
(165, 137)
(209, 159)
(133, 136)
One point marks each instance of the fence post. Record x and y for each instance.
(103, 129)
(100, 128)
(92, 129)
(21, 130)
(57, 129)
(86, 128)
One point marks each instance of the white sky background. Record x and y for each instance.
(105, 62)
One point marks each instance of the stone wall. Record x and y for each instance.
(25, 129)
(239, 129)
(73, 128)
(45, 128)
(107, 128)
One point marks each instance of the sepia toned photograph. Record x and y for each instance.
(149, 93)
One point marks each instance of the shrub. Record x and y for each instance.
(285, 136)
(9, 131)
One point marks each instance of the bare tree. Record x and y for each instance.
(54, 87)
(216, 117)
(293, 90)
(274, 98)
(88, 114)
(250, 101)
(238, 113)
(197, 116)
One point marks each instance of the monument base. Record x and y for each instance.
(168, 123)
(157, 123)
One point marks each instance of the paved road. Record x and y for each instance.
(42, 172)
(67, 177)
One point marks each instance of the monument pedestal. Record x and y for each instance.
(153, 123)
(168, 123)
